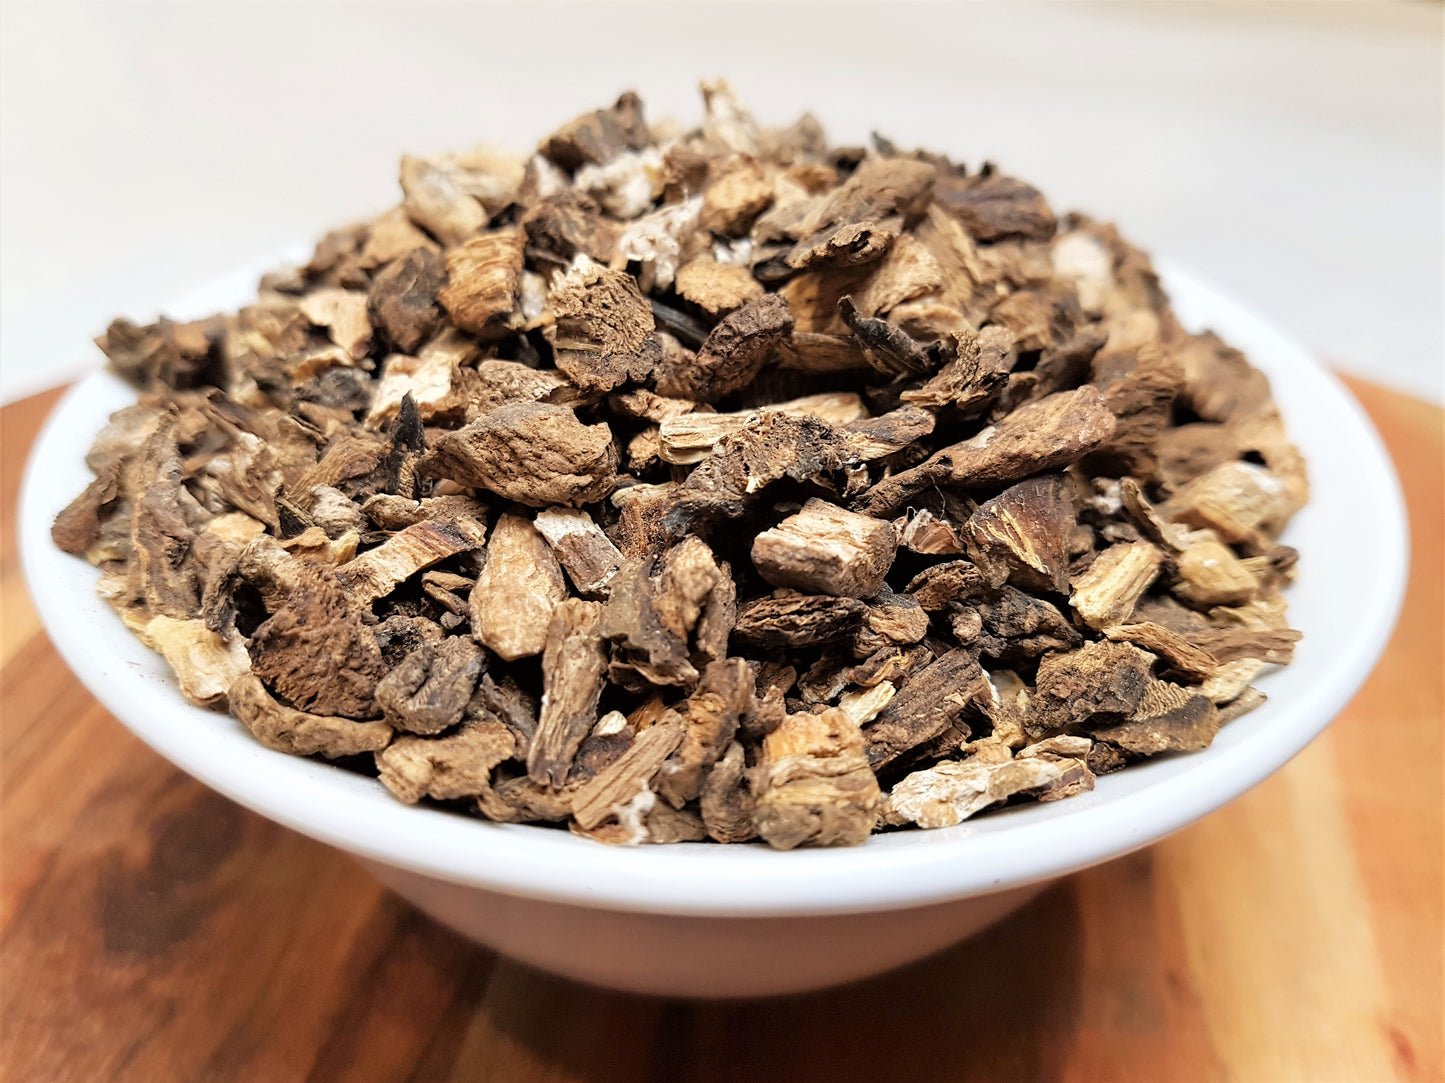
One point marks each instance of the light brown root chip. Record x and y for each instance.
(717, 288)
(689, 437)
(1238, 499)
(924, 532)
(482, 280)
(878, 437)
(377, 572)
(518, 590)
(814, 786)
(712, 713)
(574, 668)
(1242, 704)
(952, 792)
(530, 452)
(1181, 655)
(344, 314)
(445, 768)
(1229, 680)
(824, 549)
(610, 789)
(1107, 592)
(581, 547)
(1208, 573)
(286, 729)
(205, 664)
(602, 326)
(892, 619)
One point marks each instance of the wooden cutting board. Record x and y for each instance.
(154, 931)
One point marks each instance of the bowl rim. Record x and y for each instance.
(898, 870)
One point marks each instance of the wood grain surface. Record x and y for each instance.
(151, 930)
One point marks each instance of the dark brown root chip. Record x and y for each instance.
(798, 620)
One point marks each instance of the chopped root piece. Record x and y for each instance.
(403, 298)
(482, 280)
(657, 608)
(574, 669)
(1240, 500)
(1108, 591)
(205, 664)
(878, 437)
(518, 590)
(727, 800)
(865, 215)
(601, 325)
(734, 353)
(434, 384)
(1208, 573)
(924, 532)
(892, 619)
(717, 288)
(1230, 680)
(863, 706)
(931, 701)
(1027, 527)
(1181, 655)
(813, 784)
(530, 452)
(798, 620)
(688, 438)
(316, 649)
(445, 768)
(712, 713)
(1169, 718)
(286, 729)
(826, 550)
(429, 691)
(1045, 435)
(581, 547)
(952, 792)
(377, 572)
(770, 448)
(344, 314)
(1242, 704)
(611, 789)
(1096, 685)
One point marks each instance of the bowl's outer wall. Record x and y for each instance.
(1351, 577)
(675, 955)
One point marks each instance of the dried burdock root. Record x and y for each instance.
(710, 484)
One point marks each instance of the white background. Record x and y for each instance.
(1292, 153)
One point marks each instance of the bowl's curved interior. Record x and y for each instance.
(1352, 542)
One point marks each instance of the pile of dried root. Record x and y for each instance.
(707, 484)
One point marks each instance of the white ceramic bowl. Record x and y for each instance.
(708, 920)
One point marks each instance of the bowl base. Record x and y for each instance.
(679, 956)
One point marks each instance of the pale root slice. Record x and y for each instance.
(825, 549)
